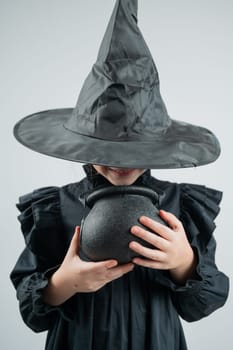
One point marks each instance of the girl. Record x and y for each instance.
(120, 128)
(103, 305)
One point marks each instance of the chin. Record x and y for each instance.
(122, 183)
(119, 176)
(122, 180)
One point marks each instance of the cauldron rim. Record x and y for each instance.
(117, 190)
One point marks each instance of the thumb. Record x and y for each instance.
(74, 244)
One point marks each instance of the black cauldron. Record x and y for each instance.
(105, 232)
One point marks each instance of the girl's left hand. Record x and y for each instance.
(172, 250)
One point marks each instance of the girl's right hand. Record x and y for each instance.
(78, 276)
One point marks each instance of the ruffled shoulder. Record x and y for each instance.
(41, 221)
(199, 208)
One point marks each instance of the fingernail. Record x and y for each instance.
(132, 245)
(135, 229)
(112, 264)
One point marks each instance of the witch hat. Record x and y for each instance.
(120, 118)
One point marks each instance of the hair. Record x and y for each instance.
(91, 172)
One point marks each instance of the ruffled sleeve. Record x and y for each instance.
(208, 291)
(199, 207)
(42, 229)
(41, 223)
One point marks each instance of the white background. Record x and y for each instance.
(46, 51)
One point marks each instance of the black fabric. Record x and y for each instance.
(139, 311)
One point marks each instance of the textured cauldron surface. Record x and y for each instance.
(105, 232)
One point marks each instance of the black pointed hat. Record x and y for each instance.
(120, 118)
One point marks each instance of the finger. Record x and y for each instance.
(74, 244)
(107, 264)
(152, 238)
(110, 269)
(119, 271)
(170, 219)
(149, 263)
(157, 227)
(152, 254)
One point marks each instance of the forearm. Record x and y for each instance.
(58, 290)
(205, 293)
(186, 271)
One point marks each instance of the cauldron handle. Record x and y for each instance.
(107, 191)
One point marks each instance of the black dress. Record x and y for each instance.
(139, 311)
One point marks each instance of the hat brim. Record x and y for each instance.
(182, 145)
